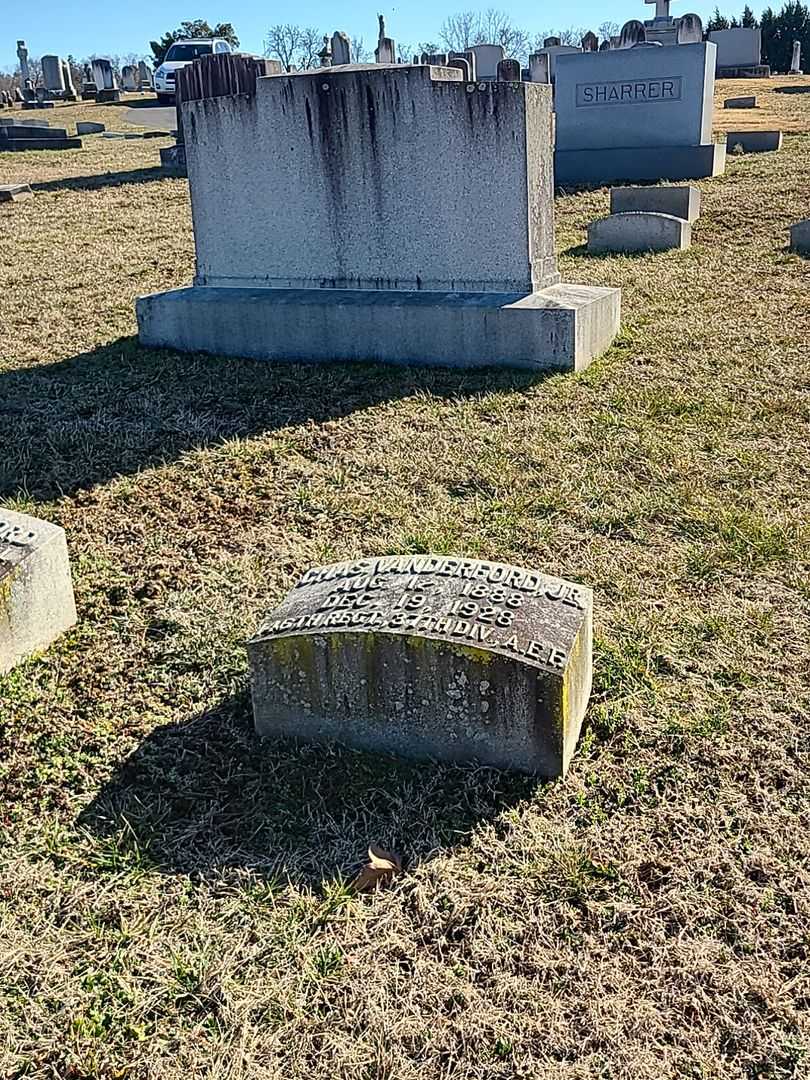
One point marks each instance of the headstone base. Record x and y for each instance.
(599, 167)
(756, 71)
(103, 96)
(561, 328)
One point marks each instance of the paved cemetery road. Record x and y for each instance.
(162, 117)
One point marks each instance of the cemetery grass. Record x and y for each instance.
(174, 897)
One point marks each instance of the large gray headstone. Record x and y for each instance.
(129, 78)
(52, 75)
(487, 58)
(737, 47)
(429, 656)
(103, 74)
(36, 594)
(590, 42)
(341, 49)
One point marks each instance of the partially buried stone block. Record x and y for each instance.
(36, 594)
(639, 232)
(430, 657)
(800, 237)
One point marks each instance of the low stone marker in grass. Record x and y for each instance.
(682, 201)
(15, 192)
(800, 237)
(89, 127)
(36, 594)
(429, 656)
(753, 142)
(639, 232)
(748, 102)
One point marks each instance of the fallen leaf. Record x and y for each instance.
(381, 866)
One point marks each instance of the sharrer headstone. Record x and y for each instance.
(429, 657)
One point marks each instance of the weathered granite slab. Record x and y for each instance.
(429, 656)
(36, 594)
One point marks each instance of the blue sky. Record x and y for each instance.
(109, 28)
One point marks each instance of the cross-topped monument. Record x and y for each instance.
(661, 8)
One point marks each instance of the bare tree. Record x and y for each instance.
(572, 35)
(311, 45)
(359, 53)
(294, 46)
(282, 43)
(490, 27)
(459, 32)
(607, 30)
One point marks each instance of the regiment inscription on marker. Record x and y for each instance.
(429, 656)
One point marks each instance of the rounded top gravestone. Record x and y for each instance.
(429, 656)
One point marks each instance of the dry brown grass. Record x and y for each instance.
(782, 104)
(171, 894)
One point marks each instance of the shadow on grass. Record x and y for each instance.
(101, 180)
(120, 408)
(208, 797)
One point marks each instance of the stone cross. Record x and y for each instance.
(661, 8)
(22, 56)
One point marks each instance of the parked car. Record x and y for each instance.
(180, 55)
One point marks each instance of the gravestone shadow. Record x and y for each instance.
(101, 180)
(208, 797)
(121, 408)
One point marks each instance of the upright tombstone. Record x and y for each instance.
(106, 82)
(386, 51)
(52, 75)
(539, 71)
(36, 594)
(67, 77)
(341, 49)
(551, 42)
(429, 657)
(508, 71)
(146, 80)
(325, 54)
(382, 161)
(796, 59)
(636, 114)
(129, 78)
(487, 58)
(467, 55)
(463, 65)
(739, 51)
(590, 42)
(436, 59)
(690, 30)
(633, 33)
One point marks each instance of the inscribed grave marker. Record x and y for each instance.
(429, 656)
